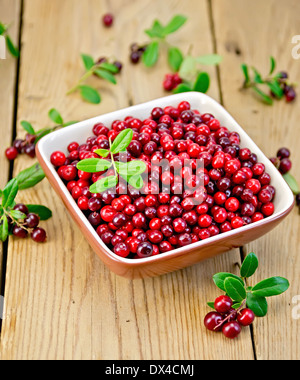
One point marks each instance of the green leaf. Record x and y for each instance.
(249, 265)
(136, 181)
(94, 165)
(132, 168)
(291, 181)
(90, 95)
(219, 279)
(264, 97)
(175, 58)
(3, 28)
(4, 228)
(276, 89)
(176, 23)
(202, 83)
(88, 61)
(272, 65)
(183, 87)
(109, 67)
(258, 305)
(211, 305)
(235, 289)
(30, 177)
(157, 30)
(151, 54)
(237, 305)
(270, 287)
(43, 212)
(188, 68)
(102, 152)
(209, 59)
(122, 141)
(9, 193)
(103, 184)
(257, 76)
(14, 51)
(106, 75)
(17, 215)
(55, 116)
(245, 70)
(28, 127)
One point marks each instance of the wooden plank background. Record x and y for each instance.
(61, 301)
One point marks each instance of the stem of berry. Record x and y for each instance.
(17, 222)
(230, 315)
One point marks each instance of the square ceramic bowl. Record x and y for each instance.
(182, 257)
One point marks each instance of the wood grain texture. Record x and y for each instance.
(10, 15)
(250, 32)
(61, 301)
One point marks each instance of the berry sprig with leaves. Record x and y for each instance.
(12, 48)
(243, 295)
(130, 171)
(278, 85)
(103, 70)
(158, 34)
(13, 219)
(27, 145)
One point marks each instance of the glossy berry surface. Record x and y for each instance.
(246, 317)
(231, 330)
(223, 304)
(212, 321)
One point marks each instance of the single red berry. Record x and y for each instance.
(58, 158)
(231, 330)
(212, 320)
(108, 19)
(246, 317)
(223, 304)
(11, 153)
(39, 235)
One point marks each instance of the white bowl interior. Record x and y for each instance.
(79, 132)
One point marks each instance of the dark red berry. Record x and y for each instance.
(108, 19)
(212, 321)
(11, 153)
(246, 317)
(19, 232)
(231, 330)
(39, 235)
(223, 304)
(144, 250)
(32, 220)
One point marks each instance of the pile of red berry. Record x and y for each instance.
(227, 319)
(19, 146)
(28, 227)
(231, 186)
(171, 81)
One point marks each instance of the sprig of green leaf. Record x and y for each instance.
(129, 171)
(254, 80)
(12, 48)
(103, 70)
(254, 297)
(8, 216)
(158, 34)
(55, 117)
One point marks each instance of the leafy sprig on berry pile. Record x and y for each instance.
(129, 171)
(13, 219)
(278, 84)
(242, 295)
(103, 70)
(12, 48)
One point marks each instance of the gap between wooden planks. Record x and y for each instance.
(251, 34)
(10, 15)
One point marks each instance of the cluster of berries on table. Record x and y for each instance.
(288, 89)
(282, 160)
(26, 146)
(179, 204)
(27, 227)
(136, 52)
(227, 319)
(171, 81)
